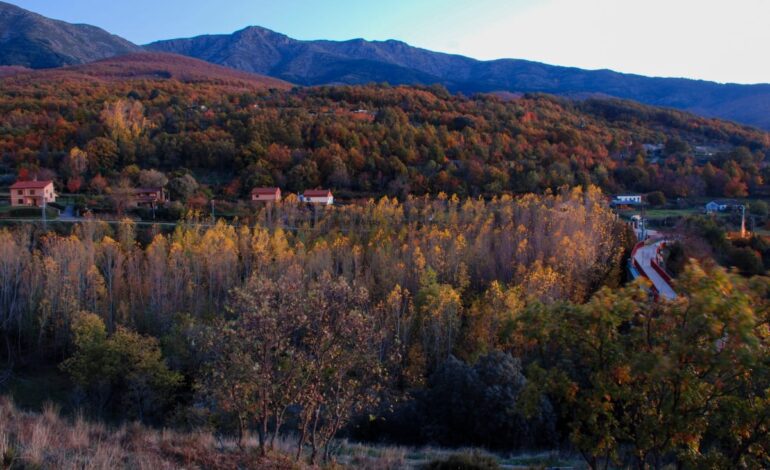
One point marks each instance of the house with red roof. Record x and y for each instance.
(149, 197)
(32, 193)
(266, 194)
(318, 196)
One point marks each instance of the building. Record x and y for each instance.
(318, 196)
(149, 197)
(32, 193)
(719, 206)
(627, 200)
(266, 194)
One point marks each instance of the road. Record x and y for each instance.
(644, 257)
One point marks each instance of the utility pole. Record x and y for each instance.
(213, 215)
(743, 221)
(44, 219)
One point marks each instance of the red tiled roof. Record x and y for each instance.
(317, 193)
(270, 191)
(31, 184)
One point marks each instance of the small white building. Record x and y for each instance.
(627, 200)
(318, 196)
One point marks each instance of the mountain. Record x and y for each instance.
(31, 40)
(358, 61)
(150, 66)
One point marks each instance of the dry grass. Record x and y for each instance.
(47, 440)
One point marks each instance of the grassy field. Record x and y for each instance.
(654, 214)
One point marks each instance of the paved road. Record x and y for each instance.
(644, 257)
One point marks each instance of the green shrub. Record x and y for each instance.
(474, 461)
(33, 212)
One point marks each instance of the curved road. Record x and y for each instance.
(644, 257)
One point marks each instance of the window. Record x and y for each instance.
(32, 192)
(20, 192)
(20, 201)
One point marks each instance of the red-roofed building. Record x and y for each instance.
(266, 194)
(318, 196)
(32, 193)
(149, 197)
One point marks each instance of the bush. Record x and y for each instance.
(33, 212)
(747, 261)
(125, 370)
(656, 199)
(676, 259)
(474, 461)
(482, 404)
(758, 208)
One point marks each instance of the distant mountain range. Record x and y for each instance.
(30, 40)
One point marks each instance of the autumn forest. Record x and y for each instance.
(470, 287)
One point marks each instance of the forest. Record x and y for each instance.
(93, 135)
(470, 290)
(437, 320)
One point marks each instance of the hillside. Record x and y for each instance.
(153, 66)
(364, 140)
(31, 40)
(357, 61)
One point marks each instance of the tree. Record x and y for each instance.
(656, 199)
(485, 405)
(340, 362)
(255, 367)
(75, 163)
(125, 369)
(124, 119)
(183, 187)
(74, 184)
(99, 183)
(642, 381)
(152, 179)
(122, 195)
(102, 155)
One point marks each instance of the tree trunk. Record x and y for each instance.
(277, 430)
(313, 436)
(303, 434)
(241, 428)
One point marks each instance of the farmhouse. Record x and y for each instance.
(266, 194)
(318, 196)
(32, 193)
(149, 197)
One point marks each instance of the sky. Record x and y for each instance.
(719, 40)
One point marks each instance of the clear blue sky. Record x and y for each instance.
(708, 39)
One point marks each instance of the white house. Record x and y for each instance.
(318, 196)
(627, 200)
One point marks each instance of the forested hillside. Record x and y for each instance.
(235, 134)
(465, 289)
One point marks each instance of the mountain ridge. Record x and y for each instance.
(34, 41)
(357, 61)
(31, 40)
